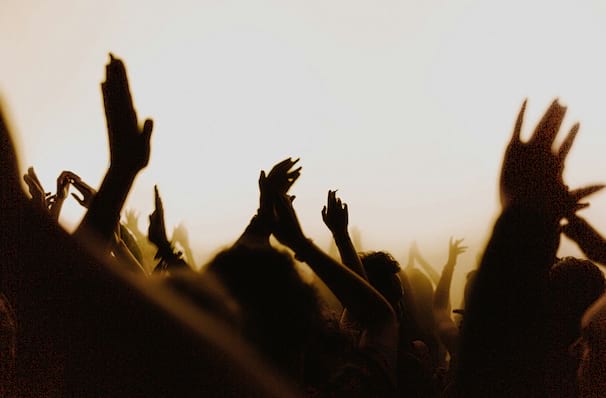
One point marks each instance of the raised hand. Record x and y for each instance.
(335, 214)
(531, 175)
(129, 144)
(277, 182)
(40, 198)
(157, 230)
(87, 192)
(129, 153)
(56, 200)
(454, 250)
(336, 217)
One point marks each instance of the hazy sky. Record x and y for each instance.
(404, 106)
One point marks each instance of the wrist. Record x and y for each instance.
(303, 249)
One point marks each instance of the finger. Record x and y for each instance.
(32, 173)
(81, 201)
(515, 138)
(324, 215)
(579, 206)
(332, 201)
(581, 193)
(148, 127)
(547, 129)
(346, 211)
(296, 172)
(158, 200)
(262, 178)
(286, 164)
(567, 144)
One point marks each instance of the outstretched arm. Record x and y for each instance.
(336, 217)
(502, 340)
(366, 304)
(447, 329)
(589, 240)
(129, 147)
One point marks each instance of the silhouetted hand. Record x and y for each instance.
(87, 192)
(335, 214)
(277, 182)
(531, 174)
(39, 197)
(63, 182)
(157, 230)
(129, 145)
(454, 250)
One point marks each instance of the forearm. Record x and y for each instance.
(441, 298)
(349, 255)
(589, 240)
(256, 233)
(55, 208)
(363, 301)
(104, 212)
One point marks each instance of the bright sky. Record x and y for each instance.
(404, 106)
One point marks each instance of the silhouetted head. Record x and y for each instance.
(574, 284)
(591, 349)
(382, 271)
(281, 312)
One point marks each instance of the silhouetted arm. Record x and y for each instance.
(366, 304)
(590, 241)
(336, 217)
(129, 154)
(446, 328)
(503, 346)
(279, 180)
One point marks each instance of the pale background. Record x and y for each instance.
(404, 106)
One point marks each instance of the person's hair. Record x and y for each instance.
(281, 313)
(574, 284)
(382, 271)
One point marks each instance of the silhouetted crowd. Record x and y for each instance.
(110, 310)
